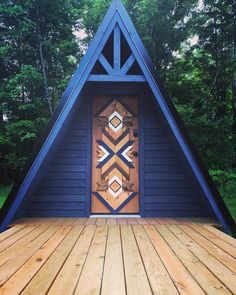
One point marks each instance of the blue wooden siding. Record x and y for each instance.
(168, 186)
(62, 190)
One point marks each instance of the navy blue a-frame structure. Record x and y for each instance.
(96, 67)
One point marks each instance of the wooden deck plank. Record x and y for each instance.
(101, 221)
(14, 249)
(57, 256)
(69, 221)
(121, 221)
(11, 231)
(16, 237)
(158, 276)
(183, 280)
(151, 221)
(40, 221)
(42, 281)
(135, 275)
(200, 220)
(225, 237)
(113, 281)
(23, 254)
(163, 220)
(91, 276)
(111, 221)
(217, 241)
(58, 221)
(91, 221)
(131, 220)
(198, 270)
(18, 221)
(180, 221)
(69, 274)
(171, 220)
(23, 276)
(216, 267)
(80, 221)
(211, 248)
(141, 221)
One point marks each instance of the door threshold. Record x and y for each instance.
(115, 216)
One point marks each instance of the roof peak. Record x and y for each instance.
(117, 2)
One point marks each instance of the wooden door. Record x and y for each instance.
(115, 164)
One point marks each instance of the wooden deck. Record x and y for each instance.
(116, 256)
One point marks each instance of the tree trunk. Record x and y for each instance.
(45, 80)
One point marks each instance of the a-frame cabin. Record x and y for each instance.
(115, 144)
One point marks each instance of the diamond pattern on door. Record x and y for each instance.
(115, 169)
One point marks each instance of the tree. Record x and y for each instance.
(204, 93)
(162, 25)
(38, 54)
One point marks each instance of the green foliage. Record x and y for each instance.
(226, 183)
(27, 26)
(204, 75)
(199, 76)
(231, 204)
(4, 191)
(221, 177)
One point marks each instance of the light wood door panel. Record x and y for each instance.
(115, 164)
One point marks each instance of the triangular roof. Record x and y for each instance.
(115, 19)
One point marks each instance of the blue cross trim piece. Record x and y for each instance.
(111, 153)
(119, 153)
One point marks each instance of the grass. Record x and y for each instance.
(228, 192)
(4, 190)
(226, 183)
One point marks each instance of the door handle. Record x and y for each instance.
(135, 132)
(135, 153)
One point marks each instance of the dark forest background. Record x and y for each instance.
(192, 43)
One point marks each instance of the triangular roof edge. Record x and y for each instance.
(70, 95)
(214, 198)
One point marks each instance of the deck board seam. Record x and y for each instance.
(104, 261)
(142, 260)
(216, 246)
(90, 244)
(123, 260)
(59, 228)
(155, 226)
(12, 234)
(214, 242)
(173, 281)
(17, 269)
(218, 228)
(204, 242)
(20, 238)
(72, 226)
(197, 259)
(206, 265)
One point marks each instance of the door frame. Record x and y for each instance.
(114, 89)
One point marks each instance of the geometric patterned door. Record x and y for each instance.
(115, 162)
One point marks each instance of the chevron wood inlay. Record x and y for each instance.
(114, 167)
